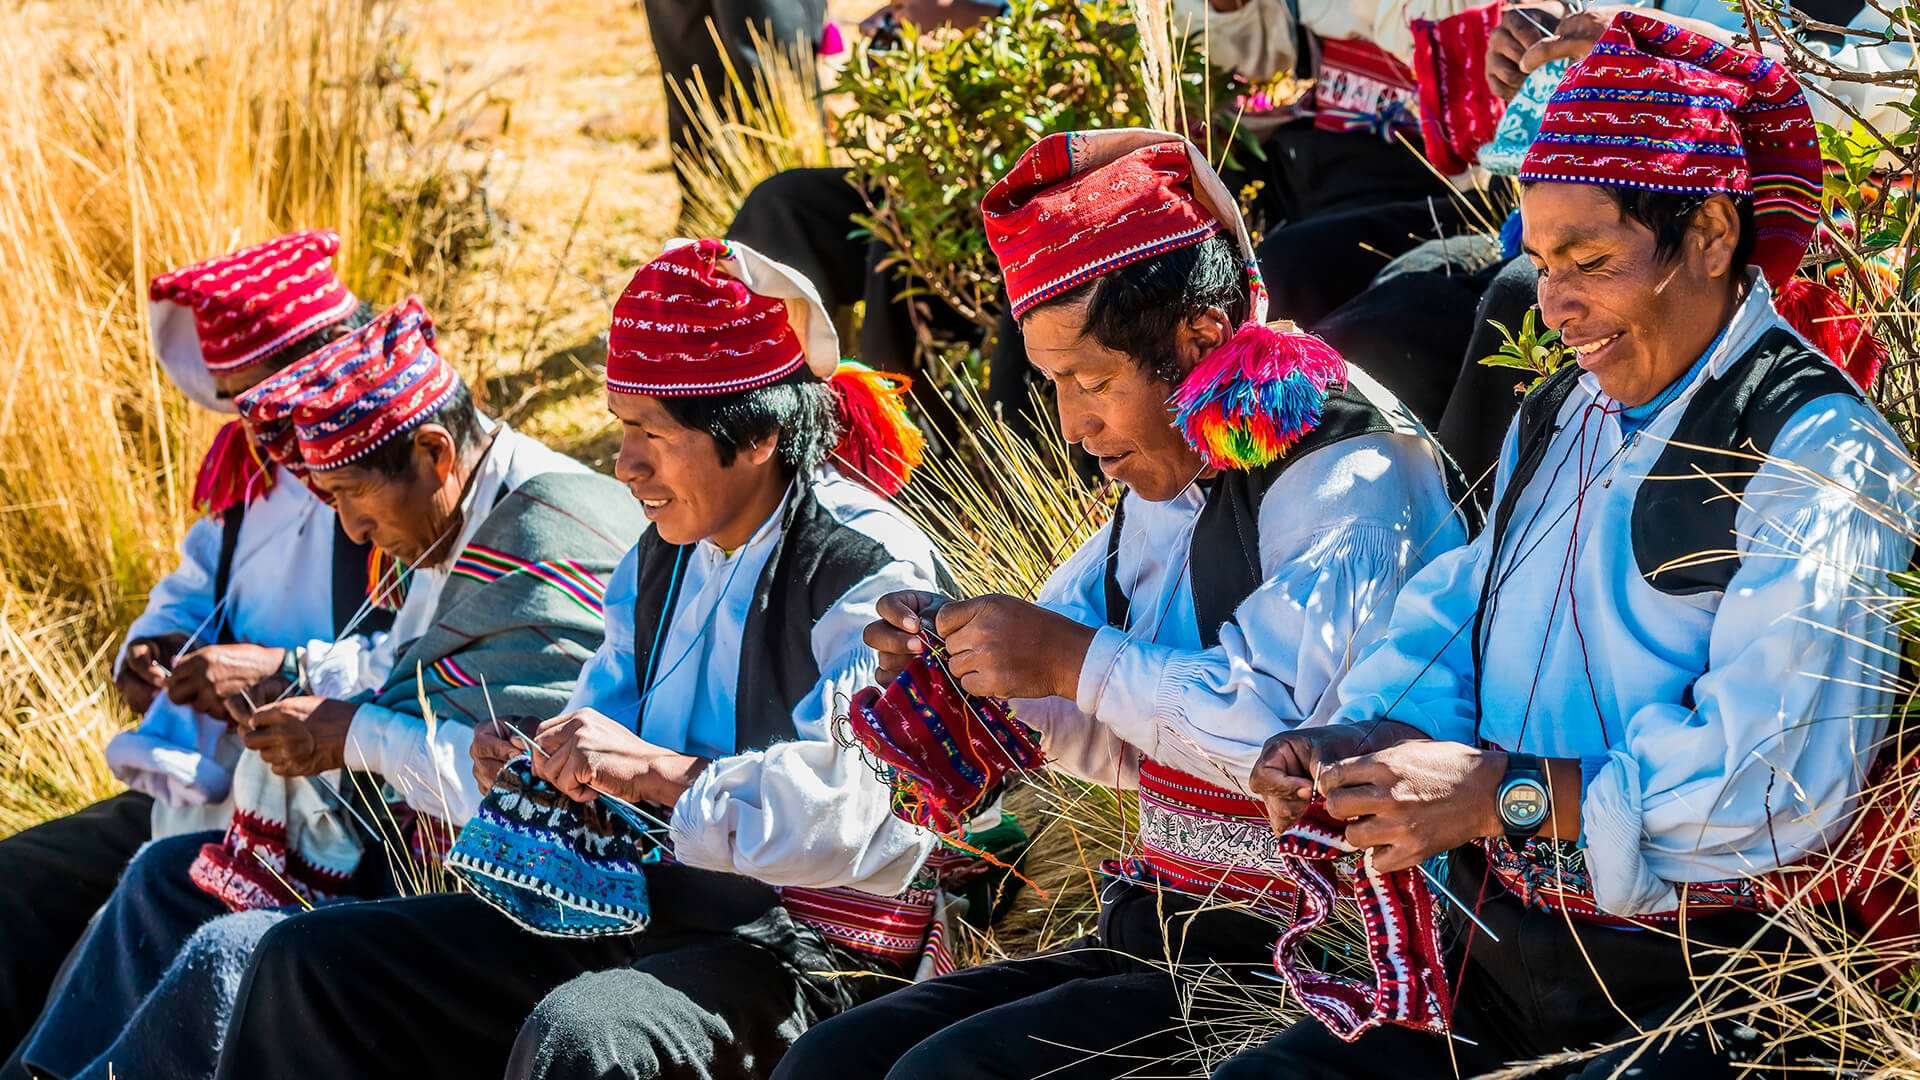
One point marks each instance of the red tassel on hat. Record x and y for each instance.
(231, 473)
(1822, 317)
(879, 444)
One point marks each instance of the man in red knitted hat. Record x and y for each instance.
(503, 547)
(1276, 498)
(1652, 683)
(733, 640)
(229, 616)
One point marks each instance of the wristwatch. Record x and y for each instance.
(1522, 801)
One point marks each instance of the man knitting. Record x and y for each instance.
(232, 614)
(1256, 551)
(733, 642)
(502, 547)
(1650, 682)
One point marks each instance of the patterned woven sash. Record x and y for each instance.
(1362, 87)
(1552, 875)
(1206, 842)
(1409, 985)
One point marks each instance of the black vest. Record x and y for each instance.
(1683, 513)
(815, 560)
(1226, 538)
(349, 577)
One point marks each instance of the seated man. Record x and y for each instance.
(733, 643)
(1219, 606)
(505, 543)
(1632, 696)
(229, 616)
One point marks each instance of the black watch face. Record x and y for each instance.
(1523, 803)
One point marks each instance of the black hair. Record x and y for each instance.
(1138, 308)
(1669, 214)
(456, 414)
(301, 348)
(798, 407)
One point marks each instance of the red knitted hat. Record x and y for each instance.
(1079, 204)
(710, 317)
(1659, 108)
(354, 395)
(246, 305)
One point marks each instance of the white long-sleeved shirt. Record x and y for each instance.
(808, 812)
(1340, 531)
(433, 774)
(1594, 663)
(267, 604)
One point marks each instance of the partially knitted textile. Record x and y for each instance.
(1458, 110)
(377, 383)
(287, 843)
(1659, 108)
(1081, 204)
(248, 304)
(1409, 985)
(552, 865)
(946, 754)
(1519, 123)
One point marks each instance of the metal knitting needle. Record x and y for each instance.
(1434, 880)
(617, 801)
(325, 787)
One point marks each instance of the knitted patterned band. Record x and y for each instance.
(377, 383)
(555, 866)
(1458, 110)
(1408, 986)
(1659, 108)
(267, 412)
(712, 317)
(1079, 204)
(247, 305)
(946, 753)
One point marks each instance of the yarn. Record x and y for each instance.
(1822, 316)
(1250, 400)
(879, 443)
(231, 474)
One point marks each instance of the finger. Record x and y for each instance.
(1365, 769)
(1285, 783)
(1370, 832)
(954, 615)
(1358, 801)
(889, 640)
(1393, 858)
(905, 609)
(1283, 812)
(262, 741)
(1503, 76)
(1554, 48)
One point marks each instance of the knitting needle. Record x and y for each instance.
(617, 801)
(1434, 880)
(324, 786)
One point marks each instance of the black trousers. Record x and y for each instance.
(719, 985)
(1543, 988)
(1094, 1009)
(53, 877)
(685, 46)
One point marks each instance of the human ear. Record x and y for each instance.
(1199, 334)
(1715, 230)
(434, 444)
(761, 450)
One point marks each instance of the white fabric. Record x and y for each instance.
(176, 341)
(1340, 531)
(268, 604)
(806, 813)
(1260, 40)
(1766, 763)
(805, 311)
(431, 769)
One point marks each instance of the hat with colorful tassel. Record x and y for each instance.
(1081, 204)
(716, 317)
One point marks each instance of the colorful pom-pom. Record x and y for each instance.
(231, 474)
(1822, 316)
(879, 443)
(1250, 400)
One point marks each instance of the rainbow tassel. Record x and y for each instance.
(379, 566)
(879, 443)
(1822, 316)
(1250, 400)
(231, 474)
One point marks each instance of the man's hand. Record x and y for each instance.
(1292, 761)
(492, 749)
(206, 678)
(139, 679)
(301, 736)
(895, 635)
(1001, 646)
(1572, 40)
(1519, 29)
(583, 751)
(1414, 800)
